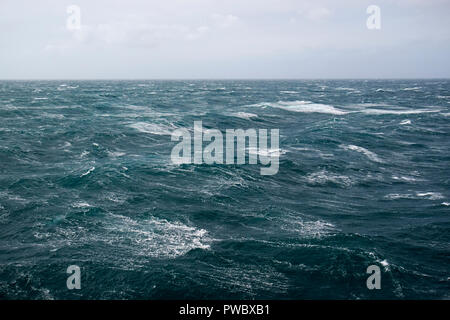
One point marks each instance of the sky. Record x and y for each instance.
(217, 39)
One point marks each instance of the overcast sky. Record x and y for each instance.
(129, 39)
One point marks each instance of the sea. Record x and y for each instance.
(86, 180)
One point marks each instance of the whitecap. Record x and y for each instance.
(67, 144)
(155, 237)
(304, 106)
(306, 229)
(88, 172)
(323, 177)
(384, 263)
(245, 115)
(369, 154)
(398, 111)
(417, 195)
(384, 90)
(81, 205)
(430, 195)
(267, 152)
(407, 121)
(153, 128)
(404, 178)
(346, 89)
(131, 238)
(369, 104)
(394, 196)
(116, 154)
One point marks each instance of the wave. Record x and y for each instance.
(417, 195)
(88, 172)
(398, 111)
(394, 196)
(404, 178)
(349, 90)
(131, 238)
(306, 229)
(430, 195)
(384, 90)
(370, 104)
(153, 128)
(156, 237)
(247, 279)
(267, 152)
(81, 204)
(245, 115)
(115, 154)
(324, 177)
(412, 89)
(303, 106)
(288, 92)
(365, 108)
(369, 154)
(386, 109)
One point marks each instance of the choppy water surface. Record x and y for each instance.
(86, 179)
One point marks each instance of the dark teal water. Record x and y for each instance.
(86, 179)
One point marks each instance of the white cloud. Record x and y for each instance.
(127, 34)
(197, 33)
(314, 13)
(224, 21)
(138, 31)
(217, 38)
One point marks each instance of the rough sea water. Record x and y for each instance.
(86, 179)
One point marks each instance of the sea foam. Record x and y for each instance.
(153, 128)
(245, 115)
(369, 154)
(303, 106)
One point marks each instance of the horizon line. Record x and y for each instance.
(217, 79)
